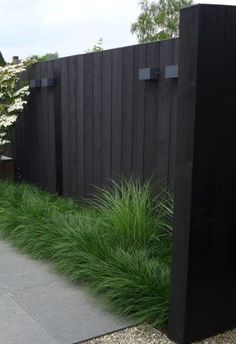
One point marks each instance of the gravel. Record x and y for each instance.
(144, 335)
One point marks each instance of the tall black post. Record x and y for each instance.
(203, 286)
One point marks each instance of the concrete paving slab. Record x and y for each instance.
(68, 313)
(2, 292)
(39, 307)
(17, 327)
(5, 247)
(18, 272)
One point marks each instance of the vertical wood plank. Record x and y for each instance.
(65, 127)
(88, 116)
(225, 222)
(173, 122)
(52, 178)
(106, 115)
(151, 113)
(44, 132)
(29, 138)
(80, 127)
(37, 152)
(116, 112)
(57, 124)
(127, 110)
(72, 125)
(164, 112)
(139, 109)
(97, 119)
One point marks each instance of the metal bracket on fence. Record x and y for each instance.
(35, 83)
(171, 72)
(46, 82)
(149, 73)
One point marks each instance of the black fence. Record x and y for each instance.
(99, 121)
(204, 253)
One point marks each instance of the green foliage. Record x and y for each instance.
(97, 47)
(46, 57)
(158, 20)
(2, 61)
(118, 244)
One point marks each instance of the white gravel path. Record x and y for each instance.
(142, 335)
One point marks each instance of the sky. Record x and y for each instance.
(69, 27)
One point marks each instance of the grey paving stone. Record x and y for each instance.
(17, 327)
(18, 272)
(2, 292)
(5, 247)
(67, 312)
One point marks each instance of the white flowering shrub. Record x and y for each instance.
(13, 96)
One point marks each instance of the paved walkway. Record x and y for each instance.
(39, 307)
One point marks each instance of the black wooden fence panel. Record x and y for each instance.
(99, 121)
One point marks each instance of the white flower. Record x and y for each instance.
(4, 142)
(6, 121)
(12, 100)
(22, 91)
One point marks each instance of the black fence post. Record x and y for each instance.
(203, 286)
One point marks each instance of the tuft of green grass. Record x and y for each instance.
(118, 244)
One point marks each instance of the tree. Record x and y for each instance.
(2, 61)
(97, 47)
(13, 96)
(158, 20)
(46, 57)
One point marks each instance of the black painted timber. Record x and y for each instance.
(203, 297)
(99, 121)
(57, 128)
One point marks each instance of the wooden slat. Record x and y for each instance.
(65, 127)
(44, 132)
(29, 119)
(127, 110)
(29, 138)
(139, 109)
(164, 112)
(106, 115)
(51, 131)
(224, 253)
(57, 124)
(80, 127)
(97, 119)
(173, 122)
(151, 113)
(37, 152)
(88, 117)
(72, 125)
(116, 126)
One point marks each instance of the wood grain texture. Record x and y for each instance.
(139, 111)
(203, 279)
(80, 179)
(128, 74)
(98, 122)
